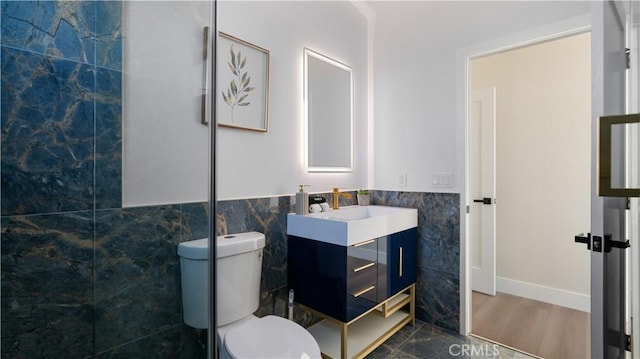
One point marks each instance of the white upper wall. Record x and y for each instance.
(413, 97)
(252, 164)
(165, 151)
(415, 106)
(165, 155)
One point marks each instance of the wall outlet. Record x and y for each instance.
(402, 179)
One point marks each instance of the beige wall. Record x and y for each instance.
(543, 162)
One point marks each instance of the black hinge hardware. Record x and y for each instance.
(582, 238)
(628, 203)
(627, 53)
(618, 339)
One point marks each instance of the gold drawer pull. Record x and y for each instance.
(400, 267)
(364, 267)
(364, 243)
(364, 291)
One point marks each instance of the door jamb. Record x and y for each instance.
(569, 27)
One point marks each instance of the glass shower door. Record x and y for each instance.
(105, 169)
(167, 68)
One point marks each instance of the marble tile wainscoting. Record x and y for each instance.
(438, 282)
(105, 284)
(136, 303)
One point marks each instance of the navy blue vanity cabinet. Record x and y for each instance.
(362, 277)
(338, 281)
(401, 260)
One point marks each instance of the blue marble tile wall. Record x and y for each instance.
(268, 216)
(81, 276)
(438, 280)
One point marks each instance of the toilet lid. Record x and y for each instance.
(271, 337)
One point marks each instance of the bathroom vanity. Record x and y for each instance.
(364, 288)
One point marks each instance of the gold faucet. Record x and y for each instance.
(336, 196)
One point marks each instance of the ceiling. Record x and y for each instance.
(468, 22)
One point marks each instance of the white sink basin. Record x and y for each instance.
(351, 225)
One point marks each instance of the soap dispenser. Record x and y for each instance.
(302, 200)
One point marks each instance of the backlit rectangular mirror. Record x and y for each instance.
(328, 105)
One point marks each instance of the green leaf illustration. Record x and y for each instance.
(234, 88)
(233, 56)
(239, 90)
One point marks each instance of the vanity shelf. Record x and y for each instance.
(365, 333)
(394, 304)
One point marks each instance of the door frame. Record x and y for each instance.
(633, 220)
(569, 27)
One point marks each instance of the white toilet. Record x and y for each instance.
(240, 333)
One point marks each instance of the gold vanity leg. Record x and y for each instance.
(343, 339)
(412, 306)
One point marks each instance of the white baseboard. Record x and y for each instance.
(542, 293)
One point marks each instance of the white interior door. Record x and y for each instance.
(482, 169)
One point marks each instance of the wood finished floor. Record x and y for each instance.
(545, 330)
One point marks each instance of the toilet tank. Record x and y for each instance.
(239, 266)
(194, 267)
(238, 281)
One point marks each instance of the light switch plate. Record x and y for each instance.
(402, 179)
(442, 180)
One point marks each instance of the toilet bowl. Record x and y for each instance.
(266, 337)
(240, 334)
